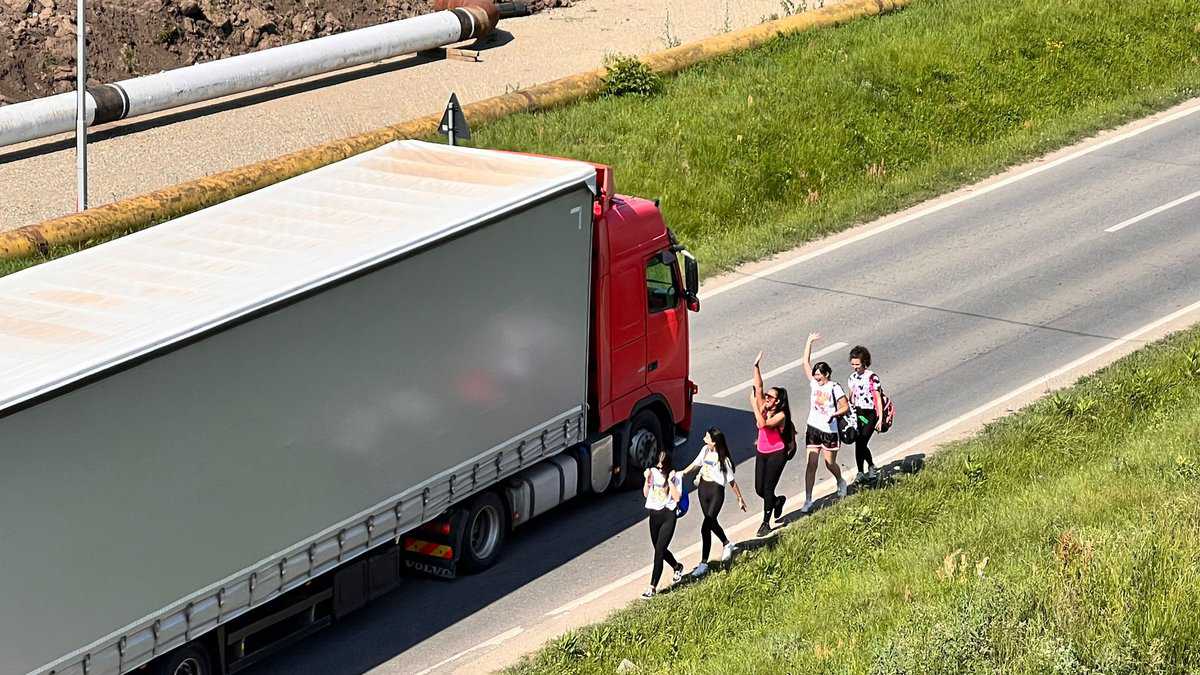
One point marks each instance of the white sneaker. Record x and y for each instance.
(808, 504)
(841, 489)
(649, 593)
(678, 576)
(861, 477)
(700, 570)
(727, 552)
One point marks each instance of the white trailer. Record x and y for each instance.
(202, 416)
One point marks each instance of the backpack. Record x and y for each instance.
(681, 507)
(889, 412)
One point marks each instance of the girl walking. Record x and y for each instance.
(868, 407)
(776, 439)
(662, 490)
(827, 402)
(715, 467)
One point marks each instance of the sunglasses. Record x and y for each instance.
(773, 397)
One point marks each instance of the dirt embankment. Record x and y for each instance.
(137, 37)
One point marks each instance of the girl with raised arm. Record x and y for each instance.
(827, 402)
(715, 467)
(776, 434)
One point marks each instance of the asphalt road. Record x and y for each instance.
(959, 306)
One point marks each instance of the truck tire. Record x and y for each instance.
(645, 440)
(484, 533)
(187, 660)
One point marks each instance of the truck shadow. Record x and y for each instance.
(422, 608)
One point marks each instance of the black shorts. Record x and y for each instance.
(814, 437)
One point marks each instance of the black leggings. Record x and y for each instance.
(712, 497)
(768, 467)
(662, 528)
(866, 429)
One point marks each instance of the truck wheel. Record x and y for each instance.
(484, 533)
(187, 660)
(645, 440)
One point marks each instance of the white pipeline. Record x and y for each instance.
(52, 115)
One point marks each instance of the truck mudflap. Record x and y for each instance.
(434, 548)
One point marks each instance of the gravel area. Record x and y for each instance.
(37, 180)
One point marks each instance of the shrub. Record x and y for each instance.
(628, 75)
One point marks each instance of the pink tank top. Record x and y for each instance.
(769, 440)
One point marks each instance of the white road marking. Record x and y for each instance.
(494, 642)
(826, 486)
(780, 370)
(953, 201)
(1152, 212)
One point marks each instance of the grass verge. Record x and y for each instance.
(1062, 539)
(757, 152)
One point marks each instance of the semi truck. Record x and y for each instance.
(225, 432)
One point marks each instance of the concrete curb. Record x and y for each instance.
(143, 211)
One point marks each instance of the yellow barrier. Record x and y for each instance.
(139, 212)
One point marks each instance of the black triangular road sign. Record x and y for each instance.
(453, 119)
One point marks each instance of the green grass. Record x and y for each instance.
(1062, 539)
(755, 153)
(810, 134)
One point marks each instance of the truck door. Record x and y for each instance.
(666, 326)
(628, 327)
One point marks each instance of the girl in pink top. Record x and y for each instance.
(776, 442)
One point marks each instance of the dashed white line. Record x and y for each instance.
(1153, 212)
(494, 642)
(947, 203)
(780, 370)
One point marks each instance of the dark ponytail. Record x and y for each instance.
(723, 458)
(789, 429)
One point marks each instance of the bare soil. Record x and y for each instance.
(128, 38)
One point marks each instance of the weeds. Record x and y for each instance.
(628, 75)
(669, 39)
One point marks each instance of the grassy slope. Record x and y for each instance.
(1063, 539)
(757, 152)
(754, 153)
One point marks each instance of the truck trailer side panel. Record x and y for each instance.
(255, 448)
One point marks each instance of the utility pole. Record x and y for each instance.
(81, 105)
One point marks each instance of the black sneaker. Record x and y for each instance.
(779, 506)
(764, 530)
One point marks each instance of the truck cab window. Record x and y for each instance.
(660, 287)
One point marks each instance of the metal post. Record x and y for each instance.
(81, 105)
(451, 109)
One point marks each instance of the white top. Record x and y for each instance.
(823, 404)
(68, 318)
(862, 389)
(710, 467)
(659, 496)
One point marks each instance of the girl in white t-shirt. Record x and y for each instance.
(663, 489)
(715, 467)
(827, 403)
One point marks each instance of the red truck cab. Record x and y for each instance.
(644, 283)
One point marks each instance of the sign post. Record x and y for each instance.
(453, 123)
(81, 105)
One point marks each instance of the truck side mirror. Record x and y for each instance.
(691, 281)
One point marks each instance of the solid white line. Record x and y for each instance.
(1169, 205)
(826, 486)
(780, 370)
(954, 201)
(496, 641)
